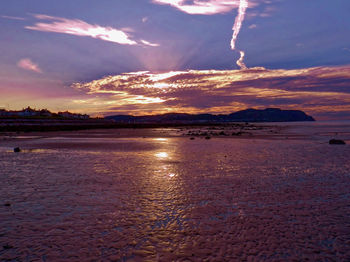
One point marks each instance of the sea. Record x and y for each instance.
(95, 196)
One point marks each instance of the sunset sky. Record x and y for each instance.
(155, 56)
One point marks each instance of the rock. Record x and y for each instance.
(192, 138)
(7, 246)
(16, 150)
(7, 204)
(207, 137)
(336, 142)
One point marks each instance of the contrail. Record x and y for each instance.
(240, 61)
(243, 5)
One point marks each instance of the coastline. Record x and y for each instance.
(303, 131)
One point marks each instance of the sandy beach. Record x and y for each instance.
(256, 192)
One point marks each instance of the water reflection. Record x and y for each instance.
(30, 150)
(161, 139)
(162, 155)
(175, 200)
(166, 171)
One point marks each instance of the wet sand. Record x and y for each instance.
(157, 195)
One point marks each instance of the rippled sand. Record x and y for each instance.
(96, 197)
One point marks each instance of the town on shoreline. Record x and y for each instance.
(40, 113)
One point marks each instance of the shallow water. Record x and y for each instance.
(175, 199)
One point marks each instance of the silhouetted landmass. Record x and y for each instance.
(42, 120)
(249, 115)
(30, 113)
(33, 123)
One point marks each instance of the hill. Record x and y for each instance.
(248, 115)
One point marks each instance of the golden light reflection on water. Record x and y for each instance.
(162, 155)
(161, 139)
(165, 169)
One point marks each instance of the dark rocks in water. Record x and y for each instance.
(7, 246)
(7, 204)
(207, 137)
(192, 138)
(336, 142)
(16, 150)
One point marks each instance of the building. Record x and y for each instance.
(3, 112)
(28, 112)
(44, 113)
(67, 114)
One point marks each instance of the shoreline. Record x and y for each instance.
(52, 125)
(75, 138)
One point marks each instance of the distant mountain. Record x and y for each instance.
(270, 115)
(248, 115)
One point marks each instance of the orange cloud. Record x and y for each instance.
(27, 64)
(316, 90)
(81, 28)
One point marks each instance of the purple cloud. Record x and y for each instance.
(28, 65)
(80, 28)
(311, 89)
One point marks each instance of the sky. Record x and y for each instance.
(140, 57)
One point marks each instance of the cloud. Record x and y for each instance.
(212, 7)
(12, 17)
(318, 90)
(253, 26)
(148, 43)
(199, 7)
(27, 64)
(80, 28)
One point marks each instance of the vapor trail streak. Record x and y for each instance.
(240, 61)
(243, 5)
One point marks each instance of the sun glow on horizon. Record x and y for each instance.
(163, 76)
(219, 91)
